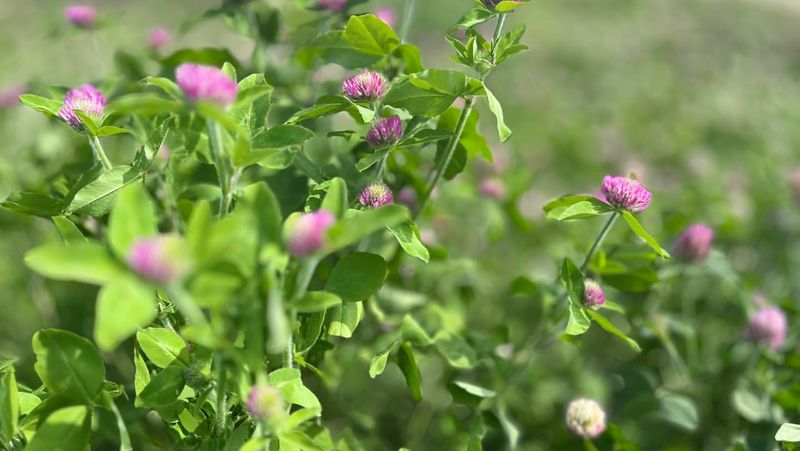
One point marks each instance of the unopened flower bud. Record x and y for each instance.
(376, 195)
(694, 244)
(586, 418)
(308, 233)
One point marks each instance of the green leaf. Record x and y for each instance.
(123, 306)
(370, 35)
(133, 217)
(88, 262)
(34, 204)
(164, 389)
(110, 130)
(143, 103)
(282, 136)
(473, 17)
(578, 322)
(70, 233)
(679, 410)
(43, 105)
(572, 279)
(378, 363)
(428, 93)
(609, 327)
(335, 200)
(327, 105)
(343, 320)
(142, 374)
(9, 404)
(412, 332)
(290, 384)
(370, 159)
(66, 429)
(411, 57)
(750, 406)
(96, 197)
(360, 224)
(357, 277)
(316, 301)
(788, 432)
(570, 208)
(494, 106)
(68, 365)
(165, 84)
(408, 365)
(28, 402)
(88, 121)
(637, 228)
(162, 346)
(507, 5)
(408, 236)
(455, 350)
(261, 201)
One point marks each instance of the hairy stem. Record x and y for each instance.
(599, 240)
(99, 153)
(222, 408)
(448, 154)
(223, 167)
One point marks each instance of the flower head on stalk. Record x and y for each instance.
(161, 259)
(368, 86)
(694, 244)
(158, 39)
(768, 327)
(336, 6)
(308, 233)
(87, 99)
(593, 296)
(385, 132)
(82, 16)
(625, 193)
(205, 83)
(265, 403)
(387, 15)
(376, 195)
(586, 418)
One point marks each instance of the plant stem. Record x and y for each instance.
(408, 16)
(99, 153)
(498, 30)
(599, 240)
(303, 279)
(223, 166)
(449, 151)
(222, 408)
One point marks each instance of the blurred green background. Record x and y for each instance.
(699, 98)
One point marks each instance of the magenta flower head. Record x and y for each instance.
(385, 132)
(161, 259)
(492, 188)
(205, 83)
(694, 244)
(376, 195)
(625, 193)
(388, 15)
(82, 16)
(86, 99)
(593, 296)
(307, 234)
(159, 38)
(264, 403)
(369, 86)
(586, 418)
(336, 6)
(768, 327)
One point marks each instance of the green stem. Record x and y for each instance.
(99, 153)
(448, 154)
(222, 409)
(303, 279)
(223, 166)
(599, 240)
(498, 30)
(408, 16)
(588, 445)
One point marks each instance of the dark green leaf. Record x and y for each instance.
(408, 365)
(66, 429)
(569, 208)
(357, 277)
(637, 228)
(408, 236)
(609, 327)
(68, 365)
